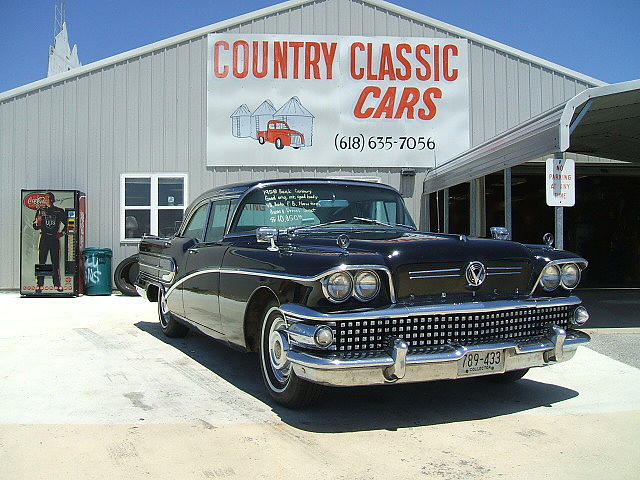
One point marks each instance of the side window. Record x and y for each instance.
(196, 225)
(217, 221)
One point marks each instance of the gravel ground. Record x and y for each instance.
(622, 345)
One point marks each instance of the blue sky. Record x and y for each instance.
(597, 38)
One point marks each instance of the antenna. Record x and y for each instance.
(59, 17)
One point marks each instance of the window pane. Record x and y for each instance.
(217, 221)
(197, 223)
(168, 222)
(136, 223)
(170, 191)
(137, 192)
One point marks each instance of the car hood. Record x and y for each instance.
(425, 264)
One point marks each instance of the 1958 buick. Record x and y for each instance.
(332, 284)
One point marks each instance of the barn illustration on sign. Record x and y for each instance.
(290, 125)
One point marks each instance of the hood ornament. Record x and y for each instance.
(475, 274)
(343, 241)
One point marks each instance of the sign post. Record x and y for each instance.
(560, 190)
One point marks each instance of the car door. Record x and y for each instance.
(192, 234)
(201, 289)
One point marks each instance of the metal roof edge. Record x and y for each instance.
(145, 49)
(184, 37)
(484, 40)
(582, 97)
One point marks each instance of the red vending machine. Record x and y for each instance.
(52, 237)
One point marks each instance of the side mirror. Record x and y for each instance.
(268, 235)
(500, 233)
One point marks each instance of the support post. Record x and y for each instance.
(559, 233)
(446, 210)
(508, 220)
(473, 207)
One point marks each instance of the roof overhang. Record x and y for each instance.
(601, 121)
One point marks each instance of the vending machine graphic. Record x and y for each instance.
(52, 237)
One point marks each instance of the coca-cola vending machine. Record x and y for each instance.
(52, 237)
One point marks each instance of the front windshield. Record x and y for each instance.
(306, 205)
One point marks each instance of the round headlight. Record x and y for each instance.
(366, 285)
(338, 286)
(570, 275)
(550, 278)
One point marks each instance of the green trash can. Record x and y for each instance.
(97, 270)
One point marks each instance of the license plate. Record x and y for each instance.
(479, 363)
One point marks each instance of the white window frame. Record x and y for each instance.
(154, 207)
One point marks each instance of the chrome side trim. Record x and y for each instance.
(287, 276)
(581, 262)
(296, 312)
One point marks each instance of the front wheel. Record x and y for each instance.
(170, 326)
(282, 383)
(279, 144)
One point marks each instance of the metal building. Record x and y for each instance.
(137, 121)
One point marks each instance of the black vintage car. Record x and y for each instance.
(332, 284)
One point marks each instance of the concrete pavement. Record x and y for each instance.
(90, 388)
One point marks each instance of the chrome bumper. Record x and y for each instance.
(397, 365)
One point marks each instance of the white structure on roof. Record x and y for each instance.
(298, 118)
(261, 117)
(62, 57)
(241, 122)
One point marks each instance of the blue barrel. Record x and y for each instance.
(97, 270)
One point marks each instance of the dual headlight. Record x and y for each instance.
(362, 284)
(567, 275)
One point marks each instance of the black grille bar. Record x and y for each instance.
(459, 329)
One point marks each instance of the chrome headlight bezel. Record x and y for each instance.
(357, 284)
(329, 284)
(569, 285)
(548, 270)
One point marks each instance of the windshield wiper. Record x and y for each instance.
(378, 222)
(293, 229)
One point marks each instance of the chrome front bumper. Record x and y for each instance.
(397, 365)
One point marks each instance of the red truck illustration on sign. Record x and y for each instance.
(279, 133)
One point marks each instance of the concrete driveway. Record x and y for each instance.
(90, 388)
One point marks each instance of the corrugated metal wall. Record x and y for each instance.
(147, 114)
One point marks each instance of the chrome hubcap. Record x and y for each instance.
(280, 365)
(164, 311)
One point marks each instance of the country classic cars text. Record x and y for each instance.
(402, 80)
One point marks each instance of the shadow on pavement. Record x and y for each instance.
(371, 408)
(611, 308)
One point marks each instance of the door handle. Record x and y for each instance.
(193, 251)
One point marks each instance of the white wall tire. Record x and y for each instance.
(282, 384)
(168, 323)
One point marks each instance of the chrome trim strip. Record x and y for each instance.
(296, 312)
(287, 276)
(519, 269)
(415, 277)
(581, 262)
(503, 273)
(436, 271)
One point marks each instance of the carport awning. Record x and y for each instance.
(600, 121)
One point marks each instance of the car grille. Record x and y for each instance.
(458, 329)
(296, 140)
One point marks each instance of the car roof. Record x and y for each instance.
(237, 189)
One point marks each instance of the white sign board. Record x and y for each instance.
(303, 100)
(561, 182)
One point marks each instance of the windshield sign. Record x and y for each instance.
(314, 205)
